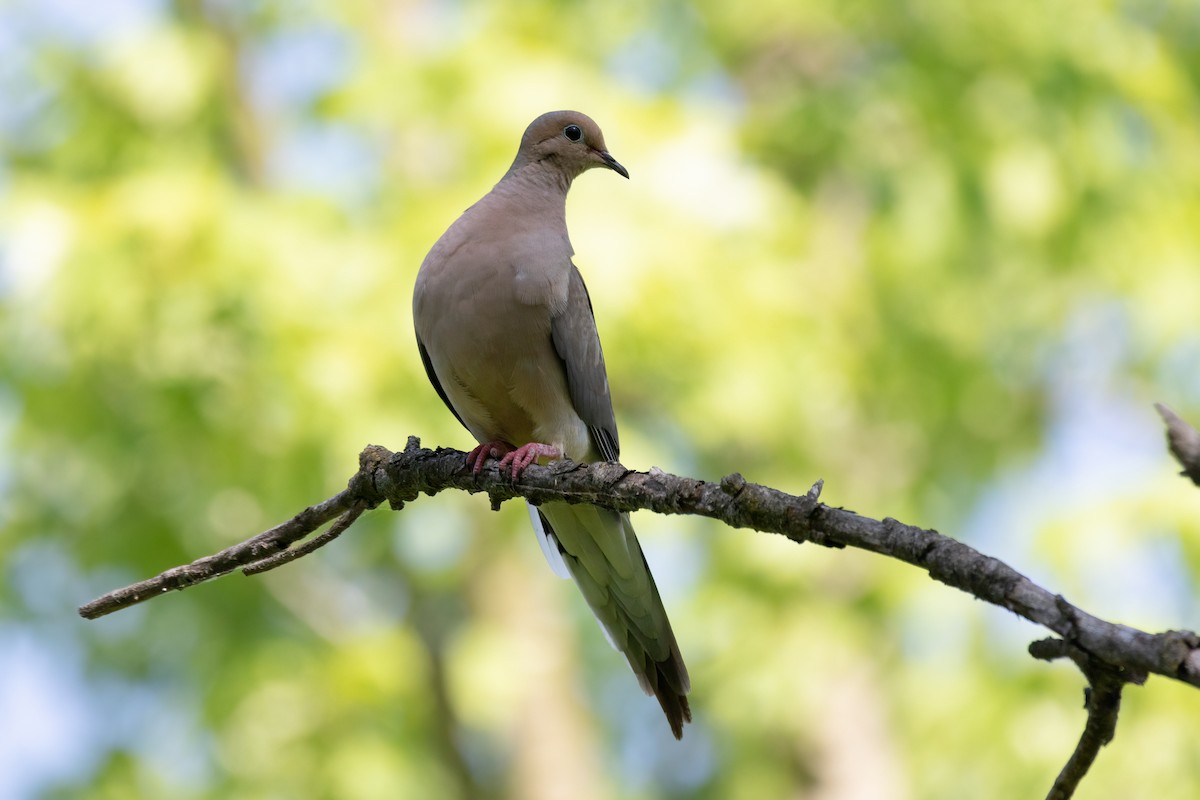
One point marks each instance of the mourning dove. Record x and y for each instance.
(505, 330)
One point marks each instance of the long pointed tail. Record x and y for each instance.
(601, 552)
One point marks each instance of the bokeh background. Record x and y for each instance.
(943, 255)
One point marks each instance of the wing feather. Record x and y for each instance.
(577, 343)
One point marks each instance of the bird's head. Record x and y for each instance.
(570, 140)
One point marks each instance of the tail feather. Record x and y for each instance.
(623, 598)
(670, 697)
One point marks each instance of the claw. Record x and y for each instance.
(477, 457)
(525, 455)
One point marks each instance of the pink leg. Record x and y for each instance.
(483, 452)
(525, 455)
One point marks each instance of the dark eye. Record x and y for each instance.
(573, 132)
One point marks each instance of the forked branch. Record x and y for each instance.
(1109, 654)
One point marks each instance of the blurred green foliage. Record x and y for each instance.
(942, 255)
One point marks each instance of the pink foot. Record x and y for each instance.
(525, 455)
(477, 457)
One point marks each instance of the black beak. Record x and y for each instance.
(612, 164)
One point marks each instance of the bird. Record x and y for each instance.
(506, 333)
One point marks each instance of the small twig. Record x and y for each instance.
(1103, 702)
(1102, 699)
(287, 556)
(260, 547)
(1184, 442)
(264, 545)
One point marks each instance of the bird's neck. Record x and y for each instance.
(542, 181)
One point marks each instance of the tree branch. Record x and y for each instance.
(1109, 654)
(401, 477)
